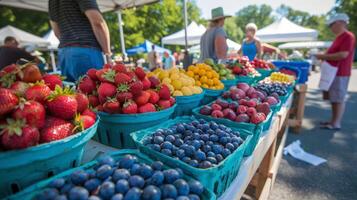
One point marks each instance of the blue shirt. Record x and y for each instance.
(249, 49)
(168, 62)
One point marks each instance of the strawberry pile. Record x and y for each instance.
(117, 89)
(36, 108)
(261, 64)
(242, 67)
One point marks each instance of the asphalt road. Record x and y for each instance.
(336, 179)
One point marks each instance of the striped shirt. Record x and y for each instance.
(74, 26)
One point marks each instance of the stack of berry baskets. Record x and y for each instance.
(44, 126)
(126, 100)
(207, 151)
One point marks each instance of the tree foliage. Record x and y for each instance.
(350, 8)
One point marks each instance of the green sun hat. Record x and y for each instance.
(218, 13)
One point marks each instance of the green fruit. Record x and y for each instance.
(222, 66)
(223, 78)
(209, 61)
(230, 77)
(216, 69)
(222, 72)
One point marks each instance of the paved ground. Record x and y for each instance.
(336, 179)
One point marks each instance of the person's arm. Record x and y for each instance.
(332, 56)
(55, 29)
(220, 47)
(100, 29)
(173, 62)
(259, 48)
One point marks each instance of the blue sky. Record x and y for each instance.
(316, 7)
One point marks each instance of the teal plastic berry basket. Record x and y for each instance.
(31, 192)
(114, 129)
(265, 72)
(185, 104)
(21, 168)
(229, 83)
(217, 178)
(210, 95)
(245, 79)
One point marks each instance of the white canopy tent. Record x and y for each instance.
(24, 38)
(304, 45)
(232, 46)
(283, 30)
(194, 33)
(53, 41)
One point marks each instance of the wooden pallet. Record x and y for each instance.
(298, 109)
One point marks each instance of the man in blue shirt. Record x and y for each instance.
(169, 60)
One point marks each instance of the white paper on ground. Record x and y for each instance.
(295, 150)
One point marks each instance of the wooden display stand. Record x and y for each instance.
(298, 109)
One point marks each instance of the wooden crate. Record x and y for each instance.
(298, 109)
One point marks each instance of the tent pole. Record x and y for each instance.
(121, 33)
(53, 60)
(185, 16)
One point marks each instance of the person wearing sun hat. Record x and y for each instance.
(340, 54)
(213, 41)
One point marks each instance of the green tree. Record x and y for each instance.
(233, 31)
(349, 7)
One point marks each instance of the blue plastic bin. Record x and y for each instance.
(229, 83)
(114, 129)
(210, 95)
(185, 104)
(303, 66)
(21, 168)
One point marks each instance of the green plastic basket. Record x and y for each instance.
(21, 168)
(114, 129)
(245, 79)
(31, 192)
(217, 178)
(210, 95)
(229, 83)
(185, 104)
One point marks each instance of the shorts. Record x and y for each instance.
(338, 90)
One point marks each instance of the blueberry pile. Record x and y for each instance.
(125, 179)
(199, 143)
(271, 88)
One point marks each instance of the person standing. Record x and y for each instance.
(340, 54)
(153, 59)
(213, 41)
(10, 53)
(251, 46)
(169, 60)
(83, 34)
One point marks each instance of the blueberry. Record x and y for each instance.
(135, 169)
(180, 172)
(107, 190)
(80, 176)
(61, 197)
(133, 194)
(170, 138)
(145, 171)
(168, 191)
(235, 144)
(154, 147)
(158, 139)
(206, 148)
(190, 150)
(193, 163)
(92, 184)
(122, 186)
(136, 181)
(166, 145)
(157, 178)
(213, 125)
(127, 161)
(180, 128)
(65, 189)
(178, 136)
(196, 135)
(157, 165)
(224, 140)
(211, 154)
(171, 175)
(167, 152)
(186, 159)
(205, 164)
(91, 173)
(219, 158)
(235, 139)
(180, 153)
(104, 171)
(187, 138)
(195, 187)
(205, 127)
(48, 193)
(217, 149)
(212, 160)
(196, 144)
(202, 121)
(191, 128)
(195, 123)
(226, 152)
(151, 192)
(57, 183)
(117, 197)
(199, 155)
(182, 198)
(120, 174)
(105, 160)
(194, 197)
(147, 140)
(188, 133)
(202, 142)
(78, 193)
(182, 187)
(213, 138)
(204, 137)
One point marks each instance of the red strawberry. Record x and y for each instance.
(99, 107)
(111, 106)
(172, 101)
(155, 82)
(82, 122)
(242, 109)
(9, 69)
(149, 107)
(19, 88)
(8, 75)
(106, 90)
(142, 98)
(62, 103)
(131, 75)
(136, 87)
(154, 97)
(33, 112)
(93, 100)
(164, 104)
(146, 83)
(236, 70)
(120, 68)
(86, 85)
(121, 78)
(56, 129)
(124, 96)
(164, 92)
(257, 118)
(18, 135)
(130, 107)
(82, 101)
(107, 66)
(92, 74)
(90, 112)
(105, 75)
(30, 73)
(38, 92)
(8, 101)
(51, 80)
(140, 73)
